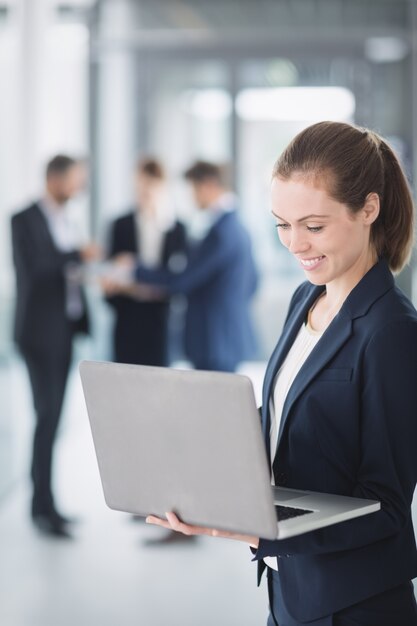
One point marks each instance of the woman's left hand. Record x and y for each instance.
(173, 523)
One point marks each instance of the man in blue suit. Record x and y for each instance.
(219, 280)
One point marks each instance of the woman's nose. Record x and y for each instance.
(298, 242)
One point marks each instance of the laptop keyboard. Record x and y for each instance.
(288, 512)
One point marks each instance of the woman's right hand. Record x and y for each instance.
(172, 522)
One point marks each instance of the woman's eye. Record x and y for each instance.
(314, 229)
(283, 226)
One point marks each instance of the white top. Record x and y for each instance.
(151, 234)
(296, 357)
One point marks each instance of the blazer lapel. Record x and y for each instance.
(132, 242)
(285, 342)
(337, 333)
(373, 285)
(41, 223)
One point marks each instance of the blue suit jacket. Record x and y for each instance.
(219, 281)
(349, 426)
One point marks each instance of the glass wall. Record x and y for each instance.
(234, 85)
(215, 80)
(43, 110)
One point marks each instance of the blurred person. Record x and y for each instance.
(340, 393)
(50, 310)
(158, 241)
(219, 280)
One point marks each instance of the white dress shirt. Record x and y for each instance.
(66, 239)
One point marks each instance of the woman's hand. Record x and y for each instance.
(173, 523)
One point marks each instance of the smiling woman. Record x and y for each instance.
(344, 210)
(338, 211)
(340, 389)
(332, 243)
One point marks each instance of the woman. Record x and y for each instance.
(340, 391)
(141, 318)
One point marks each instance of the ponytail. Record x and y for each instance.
(392, 233)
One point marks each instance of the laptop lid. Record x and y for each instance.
(183, 441)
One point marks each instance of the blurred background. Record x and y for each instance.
(227, 81)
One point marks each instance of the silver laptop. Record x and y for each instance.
(191, 442)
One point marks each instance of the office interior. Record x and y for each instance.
(228, 81)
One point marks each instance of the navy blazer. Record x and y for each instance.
(41, 322)
(219, 281)
(349, 427)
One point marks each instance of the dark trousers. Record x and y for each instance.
(395, 607)
(141, 334)
(214, 366)
(48, 373)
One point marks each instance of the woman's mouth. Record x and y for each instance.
(311, 264)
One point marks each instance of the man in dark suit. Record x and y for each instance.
(219, 280)
(50, 309)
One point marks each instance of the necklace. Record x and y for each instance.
(323, 293)
(310, 311)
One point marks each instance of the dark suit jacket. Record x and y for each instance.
(140, 327)
(219, 281)
(41, 322)
(349, 426)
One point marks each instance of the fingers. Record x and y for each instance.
(188, 529)
(173, 523)
(151, 519)
(180, 527)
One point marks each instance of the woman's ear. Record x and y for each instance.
(371, 208)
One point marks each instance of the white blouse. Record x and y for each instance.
(150, 234)
(297, 355)
(303, 345)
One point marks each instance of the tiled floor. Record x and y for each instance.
(106, 575)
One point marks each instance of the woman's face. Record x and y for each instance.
(328, 241)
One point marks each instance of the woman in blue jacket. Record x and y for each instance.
(340, 391)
